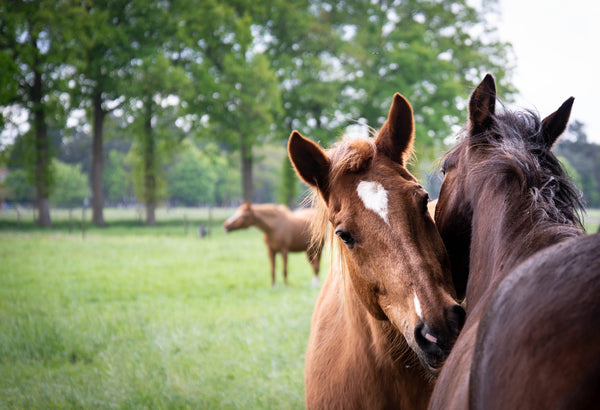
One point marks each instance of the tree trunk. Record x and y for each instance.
(98, 162)
(149, 171)
(246, 160)
(42, 152)
(289, 182)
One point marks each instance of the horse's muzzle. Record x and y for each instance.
(437, 343)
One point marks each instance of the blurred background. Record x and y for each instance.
(130, 130)
(187, 103)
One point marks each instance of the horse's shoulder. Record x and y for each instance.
(554, 292)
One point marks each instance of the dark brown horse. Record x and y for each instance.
(386, 313)
(509, 217)
(284, 231)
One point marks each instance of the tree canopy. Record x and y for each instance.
(230, 78)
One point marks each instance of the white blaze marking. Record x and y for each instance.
(418, 306)
(375, 198)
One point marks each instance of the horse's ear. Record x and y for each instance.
(482, 104)
(396, 137)
(556, 123)
(310, 161)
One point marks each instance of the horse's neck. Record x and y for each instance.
(504, 234)
(266, 219)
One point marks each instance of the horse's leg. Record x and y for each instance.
(284, 255)
(272, 260)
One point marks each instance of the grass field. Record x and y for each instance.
(148, 317)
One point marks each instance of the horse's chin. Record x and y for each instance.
(431, 363)
(433, 367)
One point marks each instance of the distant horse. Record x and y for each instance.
(284, 231)
(387, 303)
(509, 217)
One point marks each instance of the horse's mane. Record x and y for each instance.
(515, 150)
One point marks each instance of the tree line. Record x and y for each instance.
(189, 93)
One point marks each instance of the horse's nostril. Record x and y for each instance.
(427, 340)
(428, 334)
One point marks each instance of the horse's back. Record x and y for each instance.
(538, 344)
(300, 221)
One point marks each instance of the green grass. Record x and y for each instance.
(137, 317)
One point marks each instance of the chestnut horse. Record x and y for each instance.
(509, 217)
(284, 231)
(387, 303)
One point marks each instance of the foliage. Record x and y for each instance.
(34, 40)
(584, 158)
(140, 171)
(243, 74)
(249, 101)
(117, 178)
(71, 186)
(18, 187)
(425, 50)
(227, 189)
(287, 192)
(192, 179)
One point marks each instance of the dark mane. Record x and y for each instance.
(515, 149)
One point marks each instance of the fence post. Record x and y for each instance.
(83, 222)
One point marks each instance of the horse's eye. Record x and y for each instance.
(345, 237)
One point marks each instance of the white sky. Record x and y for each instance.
(557, 46)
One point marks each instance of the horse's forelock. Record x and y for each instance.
(348, 156)
(516, 149)
(351, 155)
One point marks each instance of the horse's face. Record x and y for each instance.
(454, 209)
(469, 165)
(393, 254)
(241, 219)
(453, 214)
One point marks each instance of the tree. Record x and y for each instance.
(192, 179)
(227, 184)
(156, 137)
(71, 185)
(117, 180)
(110, 34)
(250, 102)
(33, 42)
(427, 51)
(302, 43)
(287, 192)
(18, 187)
(584, 162)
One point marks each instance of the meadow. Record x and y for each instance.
(129, 316)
